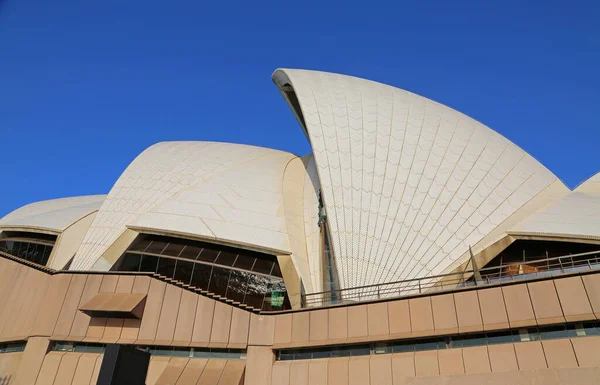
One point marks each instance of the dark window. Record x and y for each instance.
(149, 263)
(166, 266)
(183, 271)
(131, 262)
(201, 276)
(219, 281)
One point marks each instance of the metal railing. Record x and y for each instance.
(452, 281)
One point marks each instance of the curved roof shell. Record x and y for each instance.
(408, 184)
(228, 193)
(53, 215)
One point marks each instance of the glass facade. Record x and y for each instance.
(32, 247)
(244, 276)
(155, 350)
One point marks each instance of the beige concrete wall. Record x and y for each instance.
(512, 363)
(569, 299)
(42, 307)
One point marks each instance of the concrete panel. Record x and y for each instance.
(172, 371)
(574, 299)
(578, 376)
(51, 304)
(545, 303)
(377, 320)
(518, 306)
(262, 329)
(184, 325)
(281, 373)
(559, 354)
(530, 355)
(426, 363)
(85, 369)
(444, 314)
(299, 372)
(399, 319)
(240, 324)
(96, 372)
(212, 372)
(233, 373)
(476, 360)
(49, 368)
(337, 330)
(357, 323)
(192, 372)
(403, 367)
(300, 327)
(586, 350)
(319, 325)
(283, 329)
(451, 361)
(155, 369)
(421, 316)
(70, 306)
(67, 367)
(154, 302)
(131, 327)
(358, 370)
(259, 365)
(493, 310)
(203, 321)
(81, 320)
(338, 371)
(32, 360)
(592, 287)
(468, 312)
(219, 335)
(502, 358)
(168, 315)
(381, 369)
(317, 372)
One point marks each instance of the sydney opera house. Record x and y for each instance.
(414, 245)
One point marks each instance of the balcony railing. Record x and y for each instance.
(486, 276)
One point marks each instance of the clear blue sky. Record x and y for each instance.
(87, 85)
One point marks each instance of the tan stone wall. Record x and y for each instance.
(450, 366)
(41, 307)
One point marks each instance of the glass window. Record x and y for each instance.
(429, 345)
(201, 276)
(190, 252)
(276, 271)
(589, 329)
(166, 266)
(342, 351)
(472, 340)
(173, 249)
(219, 280)
(302, 355)
(554, 332)
(183, 271)
(263, 266)
(244, 262)
(208, 255)
(258, 286)
(149, 263)
(403, 347)
(500, 338)
(226, 258)
(140, 244)
(156, 247)
(238, 282)
(361, 350)
(130, 262)
(63, 346)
